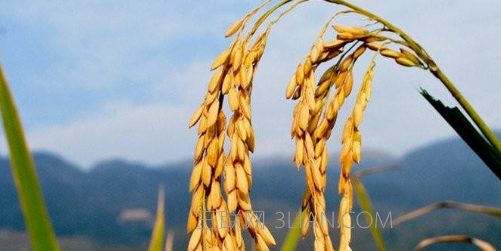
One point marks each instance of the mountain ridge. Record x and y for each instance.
(89, 202)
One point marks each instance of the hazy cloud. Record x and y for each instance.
(155, 55)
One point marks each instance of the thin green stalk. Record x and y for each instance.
(157, 236)
(28, 187)
(266, 15)
(491, 211)
(434, 69)
(365, 204)
(294, 235)
(364, 199)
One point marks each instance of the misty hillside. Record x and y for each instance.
(114, 202)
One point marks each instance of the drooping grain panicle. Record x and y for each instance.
(351, 140)
(315, 116)
(216, 171)
(313, 119)
(318, 105)
(404, 57)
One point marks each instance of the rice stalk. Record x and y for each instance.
(314, 117)
(311, 130)
(233, 78)
(351, 152)
(492, 211)
(430, 65)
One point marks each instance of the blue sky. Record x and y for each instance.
(103, 79)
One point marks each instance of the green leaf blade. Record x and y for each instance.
(365, 204)
(29, 191)
(464, 128)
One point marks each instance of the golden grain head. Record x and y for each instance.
(196, 116)
(291, 87)
(358, 114)
(215, 81)
(260, 243)
(213, 113)
(345, 36)
(346, 63)
(307, 66)
(317, 49)
(410, 56)
(221, 59)
(374, 38)
(236, 57)
(359, 51)
(195, 176)
(299, 74)
(334, 44)
(313, 120)
(233, 99)
(245, 106)
(206, 173)
(404, 61)
(389, 53)
(249, 60)
(375, 46)
(356, 31)
(234, 28)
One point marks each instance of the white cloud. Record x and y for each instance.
(103, 44)
(151, 132)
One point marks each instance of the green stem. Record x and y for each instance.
(365, 204)
(294, 235)
(434, 69)
(266, 15)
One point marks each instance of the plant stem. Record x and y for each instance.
(364, 201)
(434, 69)
(294, 234)
(267, 14)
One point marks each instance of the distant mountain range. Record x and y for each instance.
(90, 203)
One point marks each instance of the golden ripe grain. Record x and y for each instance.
(234, 28)
(196, 116)
(221, 59)
(290, 88)
(195, 240)
(410, 56)
(229, 168)
(215, 81)
(334, 44)
(356, 31)
(375, 46)
(233, 99)
(404, 61)
(389, 53)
